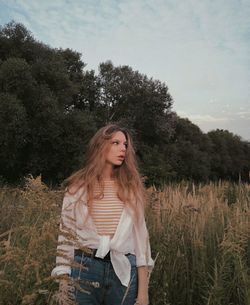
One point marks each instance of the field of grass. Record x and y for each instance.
(200, 238)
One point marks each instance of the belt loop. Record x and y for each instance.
(93, 253)
(79, 272)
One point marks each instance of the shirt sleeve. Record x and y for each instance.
(65, 245)
(142, 245)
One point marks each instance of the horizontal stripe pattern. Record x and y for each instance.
(107, 210)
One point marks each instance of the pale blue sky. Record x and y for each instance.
(201, 49)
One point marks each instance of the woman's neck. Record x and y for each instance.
(107, 173)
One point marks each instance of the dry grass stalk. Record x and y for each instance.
(201, 234)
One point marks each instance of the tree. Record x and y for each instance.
(230, 155)
(50, 107)
(142, 103)
(90, 91)
(189, 151)
(15, 40)
(16, 77)
(13, 136)
(40, 87)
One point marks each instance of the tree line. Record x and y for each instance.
(51, 105)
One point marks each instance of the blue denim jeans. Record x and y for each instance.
(101, 284)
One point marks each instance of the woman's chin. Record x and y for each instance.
(118, 163)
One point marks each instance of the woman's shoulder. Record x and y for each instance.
(75, 191)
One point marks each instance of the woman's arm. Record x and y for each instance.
(143, 279)
(65, 247)
(144, 261)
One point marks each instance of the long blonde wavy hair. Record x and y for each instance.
(130, 188)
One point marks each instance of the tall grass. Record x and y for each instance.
(29, 225)
(200, 235)
(203, 244)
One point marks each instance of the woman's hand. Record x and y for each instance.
(142, 300)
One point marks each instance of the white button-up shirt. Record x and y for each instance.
(78, 231)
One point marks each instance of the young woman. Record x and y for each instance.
(103, 244)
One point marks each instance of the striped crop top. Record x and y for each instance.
(106, 212)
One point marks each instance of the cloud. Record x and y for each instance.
(201, 118)
(209, 118)
(244, 115)
(199, 48)
(237, 122)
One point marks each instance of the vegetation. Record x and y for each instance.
(200, 240)
(50, 106)
(203, 244)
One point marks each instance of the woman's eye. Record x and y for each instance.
(117, 143)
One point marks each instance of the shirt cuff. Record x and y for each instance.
(144, 261)
(59, 270)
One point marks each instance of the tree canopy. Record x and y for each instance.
(50, 106)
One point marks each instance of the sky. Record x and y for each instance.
(199, 48)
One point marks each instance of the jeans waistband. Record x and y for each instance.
(91, 253)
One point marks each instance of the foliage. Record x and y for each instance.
(200, 244)
(230, 155)
(58, 105)
(29, 222)
(13, 136)
(39, 85)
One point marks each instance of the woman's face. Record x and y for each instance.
(118, 147)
